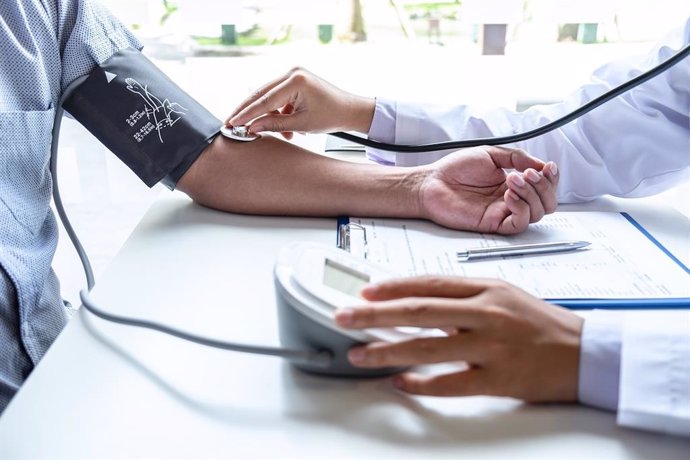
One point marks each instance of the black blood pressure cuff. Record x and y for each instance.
(144, 118)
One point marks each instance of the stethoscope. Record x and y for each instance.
(318, 358)
(500, 140)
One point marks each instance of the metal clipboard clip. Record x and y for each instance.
(348, 243)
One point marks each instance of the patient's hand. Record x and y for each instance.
(470, 190)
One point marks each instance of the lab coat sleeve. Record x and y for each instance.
(600, 358)
(635, 145)
(382, 129)
(655, 373)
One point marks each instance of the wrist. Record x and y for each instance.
(416, 177)
(571, 330)
(362, 113)
(391, 192)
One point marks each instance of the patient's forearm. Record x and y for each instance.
(269, 176)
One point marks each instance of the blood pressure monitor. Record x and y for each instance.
(312, 281)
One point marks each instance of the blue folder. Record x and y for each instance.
(627, 304)
(610, 304)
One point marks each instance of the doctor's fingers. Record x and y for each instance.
(282, 95)
(285, 122)
(254, 97)
(431, 350)
(287, 110)
(471, 382)
(414, 311)
(425, 286)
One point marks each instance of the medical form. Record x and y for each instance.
(622, 262)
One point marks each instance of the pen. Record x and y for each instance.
(520, 249)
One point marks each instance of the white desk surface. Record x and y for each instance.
(106, 390)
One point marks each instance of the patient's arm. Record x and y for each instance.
(269, 176)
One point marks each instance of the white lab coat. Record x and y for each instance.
(637, 144)
(654, 391)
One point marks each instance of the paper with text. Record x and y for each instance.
(621, 262)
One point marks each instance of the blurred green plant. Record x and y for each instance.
(256, 36)
(420, 10)
(170, 7)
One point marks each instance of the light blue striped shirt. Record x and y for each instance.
(44, 46)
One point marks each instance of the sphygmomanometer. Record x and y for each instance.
(159, 131)
(142, 116)
(311, 282)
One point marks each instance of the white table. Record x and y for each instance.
(105, 390)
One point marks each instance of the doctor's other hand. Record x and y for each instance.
(299, 101)
(513, 343)
(469, 190)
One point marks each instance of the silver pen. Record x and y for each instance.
(520, 249)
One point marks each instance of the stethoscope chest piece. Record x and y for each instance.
(238, 133)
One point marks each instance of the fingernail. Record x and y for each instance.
(532, 176)
(553, 168)
(357, 355)
(344, 316)
(518, 180)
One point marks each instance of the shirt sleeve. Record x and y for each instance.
(634, 145)
(88, 34)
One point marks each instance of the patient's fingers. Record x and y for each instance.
(522, 184)
(548, 193)
(538, 189)
(545, 185)
(519, 218)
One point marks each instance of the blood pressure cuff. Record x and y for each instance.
(144, 118)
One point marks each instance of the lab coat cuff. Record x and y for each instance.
(655, 371)
(600, 359)
(383, 130)
(415, 123)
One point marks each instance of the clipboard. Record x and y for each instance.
(352, 237)
(337, 145)
(356, 237)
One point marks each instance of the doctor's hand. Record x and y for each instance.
(469, 190)
(300, 101)
(513, 343)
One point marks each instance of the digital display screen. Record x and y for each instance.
(343, 279)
